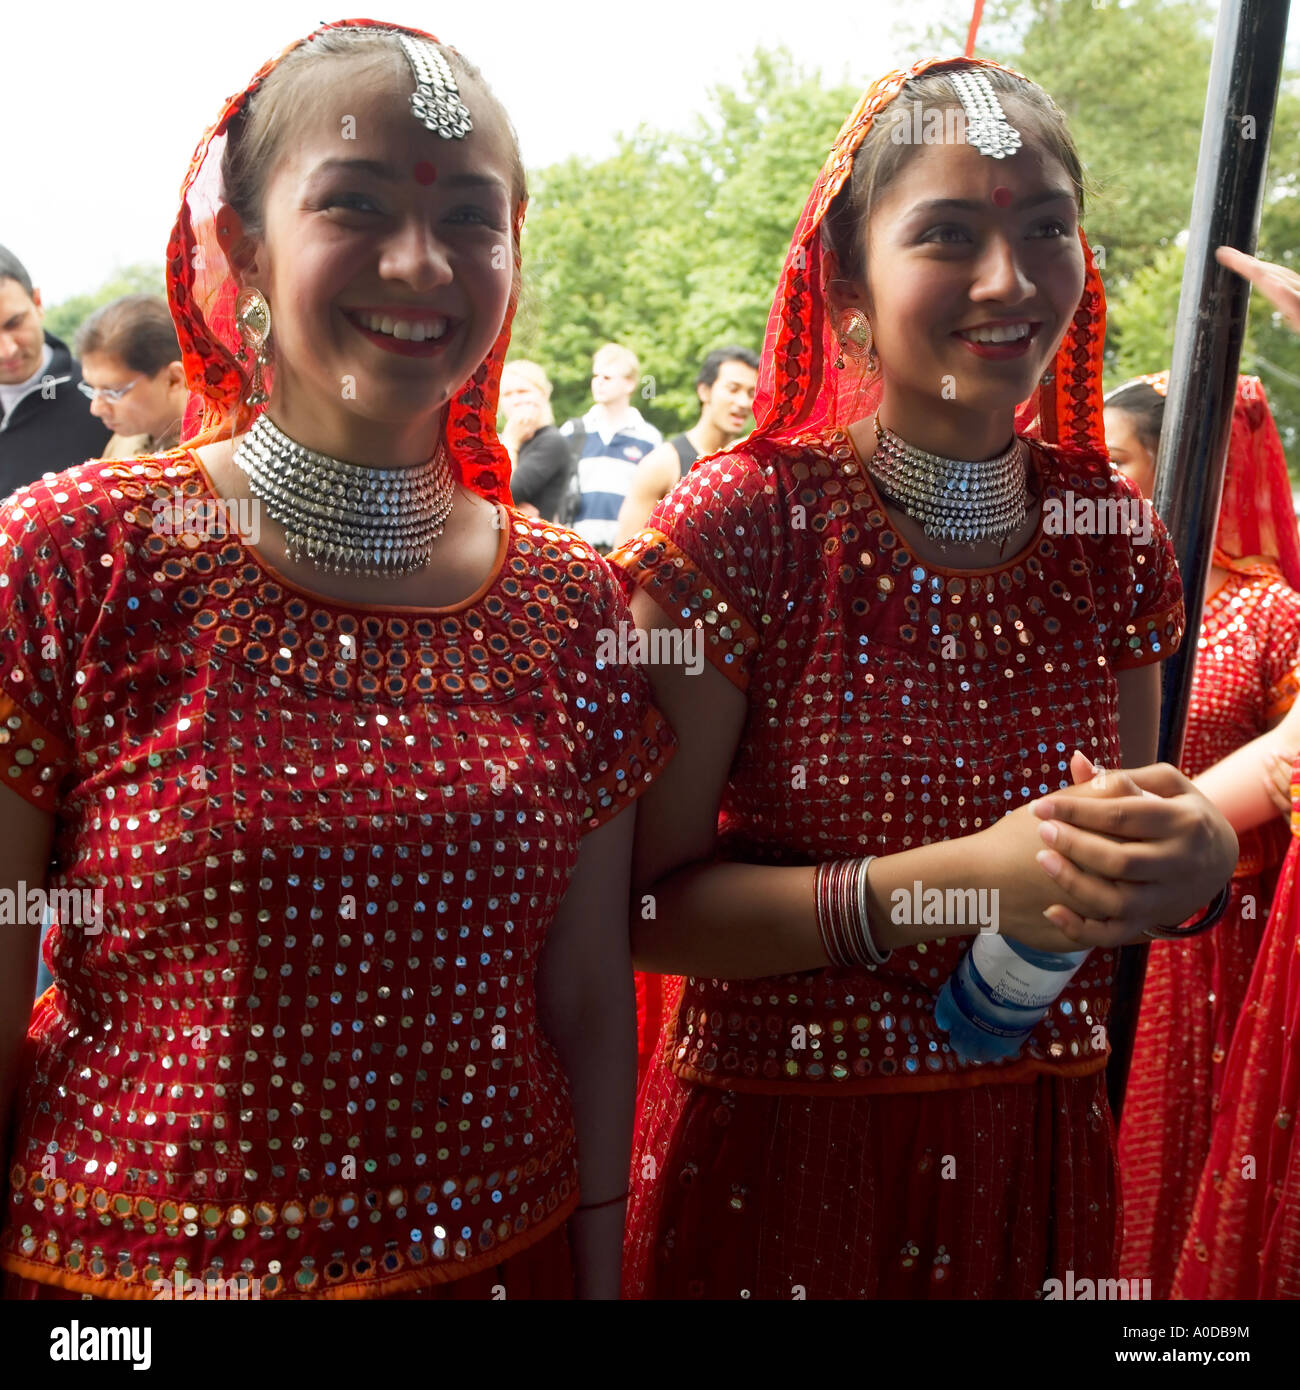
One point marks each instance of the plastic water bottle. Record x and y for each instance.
(998, 993)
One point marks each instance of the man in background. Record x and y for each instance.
(45, 422)
(609, 442)
(725, 385)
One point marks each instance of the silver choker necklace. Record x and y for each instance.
(347, 518)
(953, 499)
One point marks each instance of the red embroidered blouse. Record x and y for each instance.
(330, 841)
(893, 703)
(1246, 677)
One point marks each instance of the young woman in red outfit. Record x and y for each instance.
(1243, 1237)
(900, 673)
(1245, 682)
(354, 1020)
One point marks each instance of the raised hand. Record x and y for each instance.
(1278, 783)
(1280, 286)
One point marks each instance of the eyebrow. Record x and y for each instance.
(391, 174)
(1052, 195)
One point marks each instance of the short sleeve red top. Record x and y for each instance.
(1248, 652)
(329, 843)
(893, 703)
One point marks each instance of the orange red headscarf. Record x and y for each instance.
(202, 288)
(798, 388)
(1256, 514)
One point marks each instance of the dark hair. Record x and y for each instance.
(880, 156)
(137, 329)
(259, 133)
(1145, 406)
(11, 268)
(713, 363)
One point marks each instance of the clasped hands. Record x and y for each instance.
(1116, 853)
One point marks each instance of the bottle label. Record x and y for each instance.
(1010, 981)
(970, 995)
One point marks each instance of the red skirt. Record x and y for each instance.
(1244, 1236)
(985, 1192)
(652, 993)
(543, 1271)
(1191, 1000)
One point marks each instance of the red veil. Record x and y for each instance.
(1256, 515)
(201, 290)
(798, 388)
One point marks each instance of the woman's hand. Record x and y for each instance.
(1013, 851)
(521, 424)
(1281, 287)
(1165, 851)
(1278, 783)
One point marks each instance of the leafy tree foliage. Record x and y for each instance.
(1131, 78)
(673, 244)
(65, 318)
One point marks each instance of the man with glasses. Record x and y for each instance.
(45, 422)
(133, 375)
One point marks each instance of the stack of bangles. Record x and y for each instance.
(842, 918)
(845, 928)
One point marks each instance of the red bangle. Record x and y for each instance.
(1204, 922)
(842, 920)
(613, 1201)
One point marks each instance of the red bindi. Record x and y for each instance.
(425, 172)
(1001, 197)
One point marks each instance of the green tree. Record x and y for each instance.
(1272, 350)
(1141, 320)
(604, 260)
(1131, 78)
(64, 318)
(1143, 311)
(673, 244)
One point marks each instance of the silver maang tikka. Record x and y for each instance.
(436, 100)
(987, 127)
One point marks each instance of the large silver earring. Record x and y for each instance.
(856, 338)
(253, 315)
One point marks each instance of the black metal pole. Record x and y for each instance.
(1245, 72)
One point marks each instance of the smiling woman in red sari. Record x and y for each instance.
(904, 678)
(359, 1019)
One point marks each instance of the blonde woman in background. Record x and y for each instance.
(542, 466)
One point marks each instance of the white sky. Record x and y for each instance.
(103, 103)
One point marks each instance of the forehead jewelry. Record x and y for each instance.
(436, 100)
(987, 128)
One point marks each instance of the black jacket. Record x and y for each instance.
(51, 427)
(542, 474)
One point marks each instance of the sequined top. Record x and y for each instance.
(330, 841)
(1246, 678)
(892, 703)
